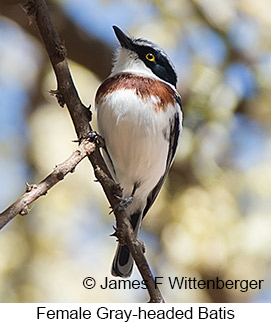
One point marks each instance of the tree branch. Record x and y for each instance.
(66, 93)
(34, 191)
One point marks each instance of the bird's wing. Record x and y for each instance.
(175, 129)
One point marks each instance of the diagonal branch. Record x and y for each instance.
(66, 94)
(34, 191)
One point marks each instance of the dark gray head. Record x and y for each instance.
(152, 55)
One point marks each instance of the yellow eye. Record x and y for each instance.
(150, 57)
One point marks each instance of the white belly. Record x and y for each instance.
(135, 138)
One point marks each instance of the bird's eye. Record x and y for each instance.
(150, 57)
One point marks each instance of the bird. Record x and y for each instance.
(139, 116)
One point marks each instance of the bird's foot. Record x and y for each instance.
(94, 137)
(124, 202)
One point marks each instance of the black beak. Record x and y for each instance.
(124, 40)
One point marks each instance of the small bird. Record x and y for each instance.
(139, 117)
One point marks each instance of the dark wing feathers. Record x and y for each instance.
(173, 142)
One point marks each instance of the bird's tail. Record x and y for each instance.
(123, 261)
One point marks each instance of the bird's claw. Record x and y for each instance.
(124, 202)
(94, 137)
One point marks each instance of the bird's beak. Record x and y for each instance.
(124, 40)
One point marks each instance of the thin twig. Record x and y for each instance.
(34, 191)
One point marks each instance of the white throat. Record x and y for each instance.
(127, 61)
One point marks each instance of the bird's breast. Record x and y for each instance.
(145, 88)
(133, 119)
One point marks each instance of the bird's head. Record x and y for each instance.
(140, 56)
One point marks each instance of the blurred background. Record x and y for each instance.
(213, 216)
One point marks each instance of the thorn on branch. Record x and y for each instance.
(114, 234)
(30, 8)
(61, 50)
(29, 187)
(120, 234)
(141, 245)
(59, 97)
(24, 211)
(72, 170)
(89, 112)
